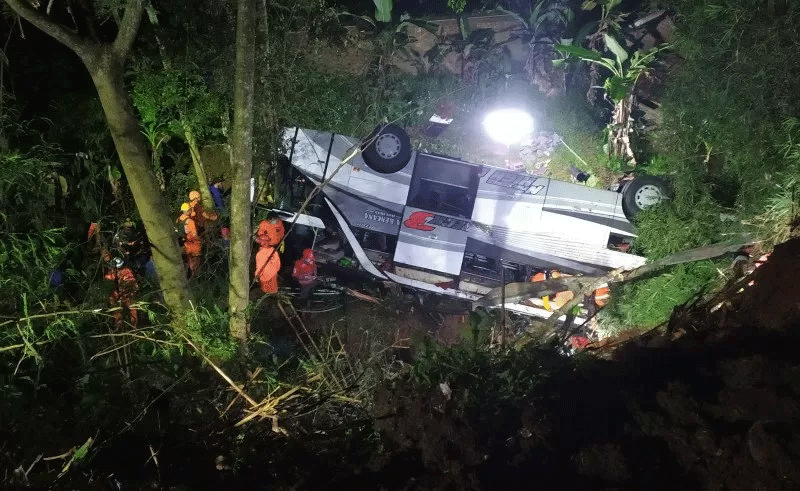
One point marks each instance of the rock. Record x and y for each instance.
(537, 149)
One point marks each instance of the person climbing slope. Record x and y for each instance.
(199, 214)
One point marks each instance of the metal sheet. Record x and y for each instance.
(432, 241)
(373, 214)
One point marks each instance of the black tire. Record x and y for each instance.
(387, 149)
(643, 192)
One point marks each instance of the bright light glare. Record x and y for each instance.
(508, 126)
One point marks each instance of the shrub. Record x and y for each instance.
(649, 302)
(725, 104)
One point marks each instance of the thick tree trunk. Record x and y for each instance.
(131, 148)
(242, 166)
(105, 63)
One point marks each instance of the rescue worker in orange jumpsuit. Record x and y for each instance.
(198, 213)
(305, 272)
(268, 262)
(192, 244)
(126, 288)
(270, 231)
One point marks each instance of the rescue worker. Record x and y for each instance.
(270, 231)
(198, 213)
(268, 263)
(126, 288)
(192, 243)
(305, 272)
(215, 188)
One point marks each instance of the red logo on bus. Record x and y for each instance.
(417, 221)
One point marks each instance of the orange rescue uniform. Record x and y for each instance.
(192, 245)
(125, 289)
(270, 233)
(268, 263)
(305, 269)
(198, 213)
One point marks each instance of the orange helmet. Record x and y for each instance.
(194, 195)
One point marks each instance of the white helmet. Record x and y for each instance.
(116, 262)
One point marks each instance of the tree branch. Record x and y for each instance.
(60, 33)
(128, 28)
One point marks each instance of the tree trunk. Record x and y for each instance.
(132, 151)
(199, 170)
(619, 135)
(242, 166)
(105, 63)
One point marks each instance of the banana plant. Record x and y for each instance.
(619, 87)
(542, 29)
(543, 18)
(383, 10)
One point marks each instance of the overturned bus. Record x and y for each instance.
(445, 226)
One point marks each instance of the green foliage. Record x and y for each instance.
(353, 105)
(609, 22)
(176, 100)
(383, 10)
(457, 6)
(26, 186)
(543, 19)
(692, 219)
(209, 329)
(649, 302)
(681, 224)
(487, 378)
(725, 107)
(569, 116)
(26, 261)
(625, 70)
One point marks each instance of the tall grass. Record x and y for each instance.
(728, 140)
